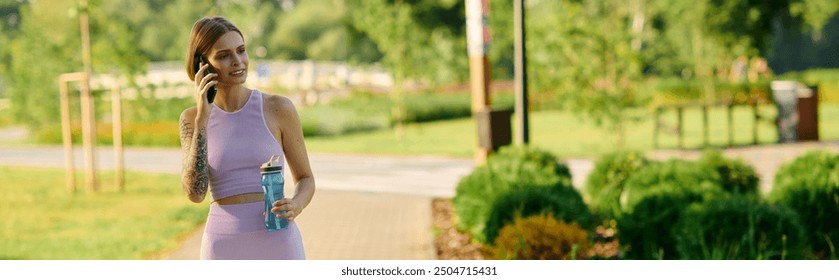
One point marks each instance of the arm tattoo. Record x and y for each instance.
(195, 173)
(202, 166)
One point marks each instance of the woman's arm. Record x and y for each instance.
(195, 173)
(291, 135)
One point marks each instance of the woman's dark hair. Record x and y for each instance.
(205, 33)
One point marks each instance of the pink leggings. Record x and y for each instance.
(237, 232)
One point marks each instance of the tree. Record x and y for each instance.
(501, 49)
(46, 46)
(421, 40)
(584, 54)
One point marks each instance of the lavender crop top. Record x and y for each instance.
(237, 144)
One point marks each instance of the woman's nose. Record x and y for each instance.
(237, 60)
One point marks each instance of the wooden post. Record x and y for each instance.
(477, 38)
(66, 135)
(88, 117)
(116, 113)
(705, 140)
(88, 136)
(681, 130)
(756, 122)
(730, 124)
(656, 126)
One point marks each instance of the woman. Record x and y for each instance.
(224, 143)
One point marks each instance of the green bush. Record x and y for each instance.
(676, 91)
(513, 168)
(734, 176)
(674, 173)
(363, 111)
(655, 195)
(329, 121)
(810, 186)
(562, 201)
(541, 237)
(605, 183)
(647, 232)
(739, 227)
(162, 133)
(427, 107)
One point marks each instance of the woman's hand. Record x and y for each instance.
(202, 85)
(291, 208)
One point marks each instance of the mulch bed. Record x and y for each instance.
(450, 243)
(454, 245)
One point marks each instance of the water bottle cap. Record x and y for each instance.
(272, 165)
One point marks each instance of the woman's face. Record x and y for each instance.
(229, 59)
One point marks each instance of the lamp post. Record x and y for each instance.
(522, 123)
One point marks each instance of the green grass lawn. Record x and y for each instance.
(41, 219)
(566, 135)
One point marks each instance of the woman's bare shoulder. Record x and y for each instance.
(278, 104)
(188, 115)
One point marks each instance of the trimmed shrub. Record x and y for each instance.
(561, 201)
(605, 183)
(676, 91)
(674, 173)
(511, 169)
(739, 227)
(541, 237)
(733, 175)
(647, 231)
(427, 107)
(330, 121)
(162, 133)
(810, 186)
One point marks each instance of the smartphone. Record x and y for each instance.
(211, 93)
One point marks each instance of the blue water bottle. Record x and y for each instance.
(272, 185)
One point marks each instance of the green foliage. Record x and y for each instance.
(654, 197)
(396, 26)
(513, 168)
(431, 107)
(647, 232)
(810, 186)
(816, 13)
(672, 175)
(606, 182)
(502, 50)
(163, 134)
(331, 121)
(561, 201)
(734, 176)
(38, 55)
(587, 53)
(365, 111)
(541, 237)
(678, 91)
(312, 30)
(739, 227)
(146, 121)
